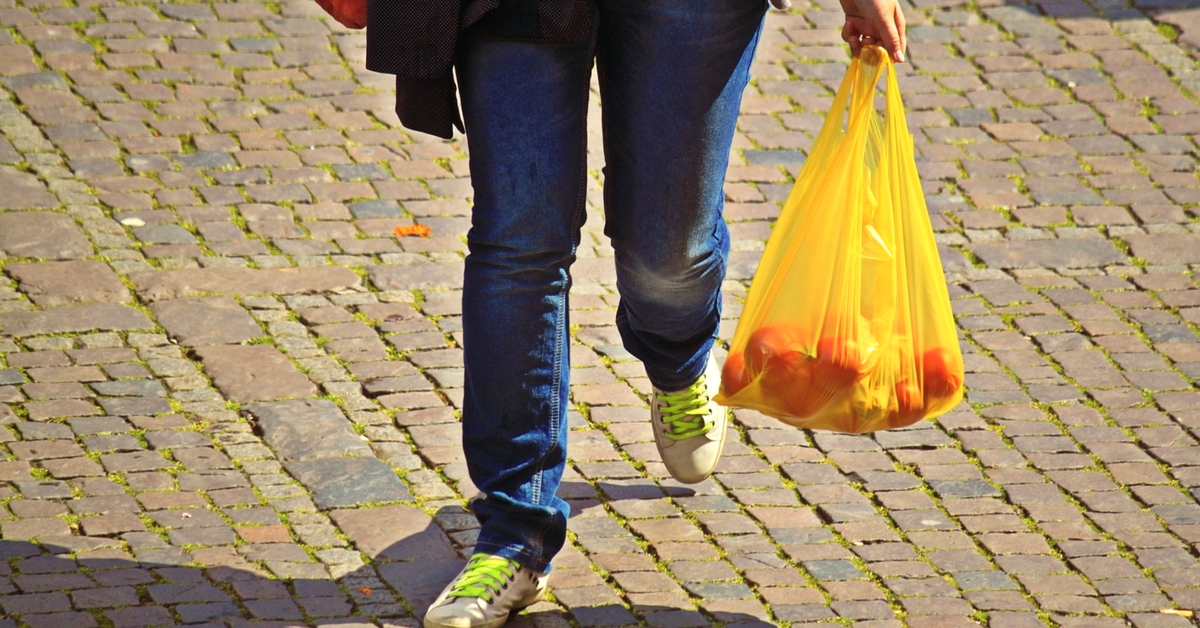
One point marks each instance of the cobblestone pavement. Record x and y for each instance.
(229, 394)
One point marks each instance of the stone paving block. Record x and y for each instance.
(211, 480)
(186, 593)
(127, 388)
(106, 525)
(420, 277)
(1166, 248)
(409, 535)
(1048, 253)
(134, 461)
(307, 430)
(205, 320)
(134, 405)
(74, 319)
(172, 284)
(52, 284)
(353, 481)
(253, 372)
(43, 431)
(43, 449)
(24, 191)
(33, 528)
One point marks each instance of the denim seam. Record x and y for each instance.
(561, 322)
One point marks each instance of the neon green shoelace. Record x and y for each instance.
(485, 576)
(685, 413)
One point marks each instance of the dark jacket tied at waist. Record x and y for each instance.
(416, 40)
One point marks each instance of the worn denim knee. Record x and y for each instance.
(667, 149)
(670, 308)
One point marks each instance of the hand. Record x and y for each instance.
(878, 22)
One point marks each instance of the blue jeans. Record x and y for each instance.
(671, 78)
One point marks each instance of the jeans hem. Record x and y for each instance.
(686, 381)
(524, 556)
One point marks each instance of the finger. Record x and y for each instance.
(902, 27)
(851, 36)
(890, 40)
(848, 32)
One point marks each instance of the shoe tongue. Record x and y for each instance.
(487, 577)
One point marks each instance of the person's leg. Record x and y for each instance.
(525, 108)
(671, 79)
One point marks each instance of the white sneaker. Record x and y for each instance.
(484, 593)
(689, 427)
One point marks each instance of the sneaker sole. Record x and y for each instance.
(495, 623)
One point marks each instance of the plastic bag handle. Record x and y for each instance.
(860, 103)
(895, 104)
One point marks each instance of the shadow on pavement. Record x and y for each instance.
(48, 587)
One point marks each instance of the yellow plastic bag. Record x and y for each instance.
(848, 325)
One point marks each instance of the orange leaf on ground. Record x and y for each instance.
(416, 229)
(365, 591)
